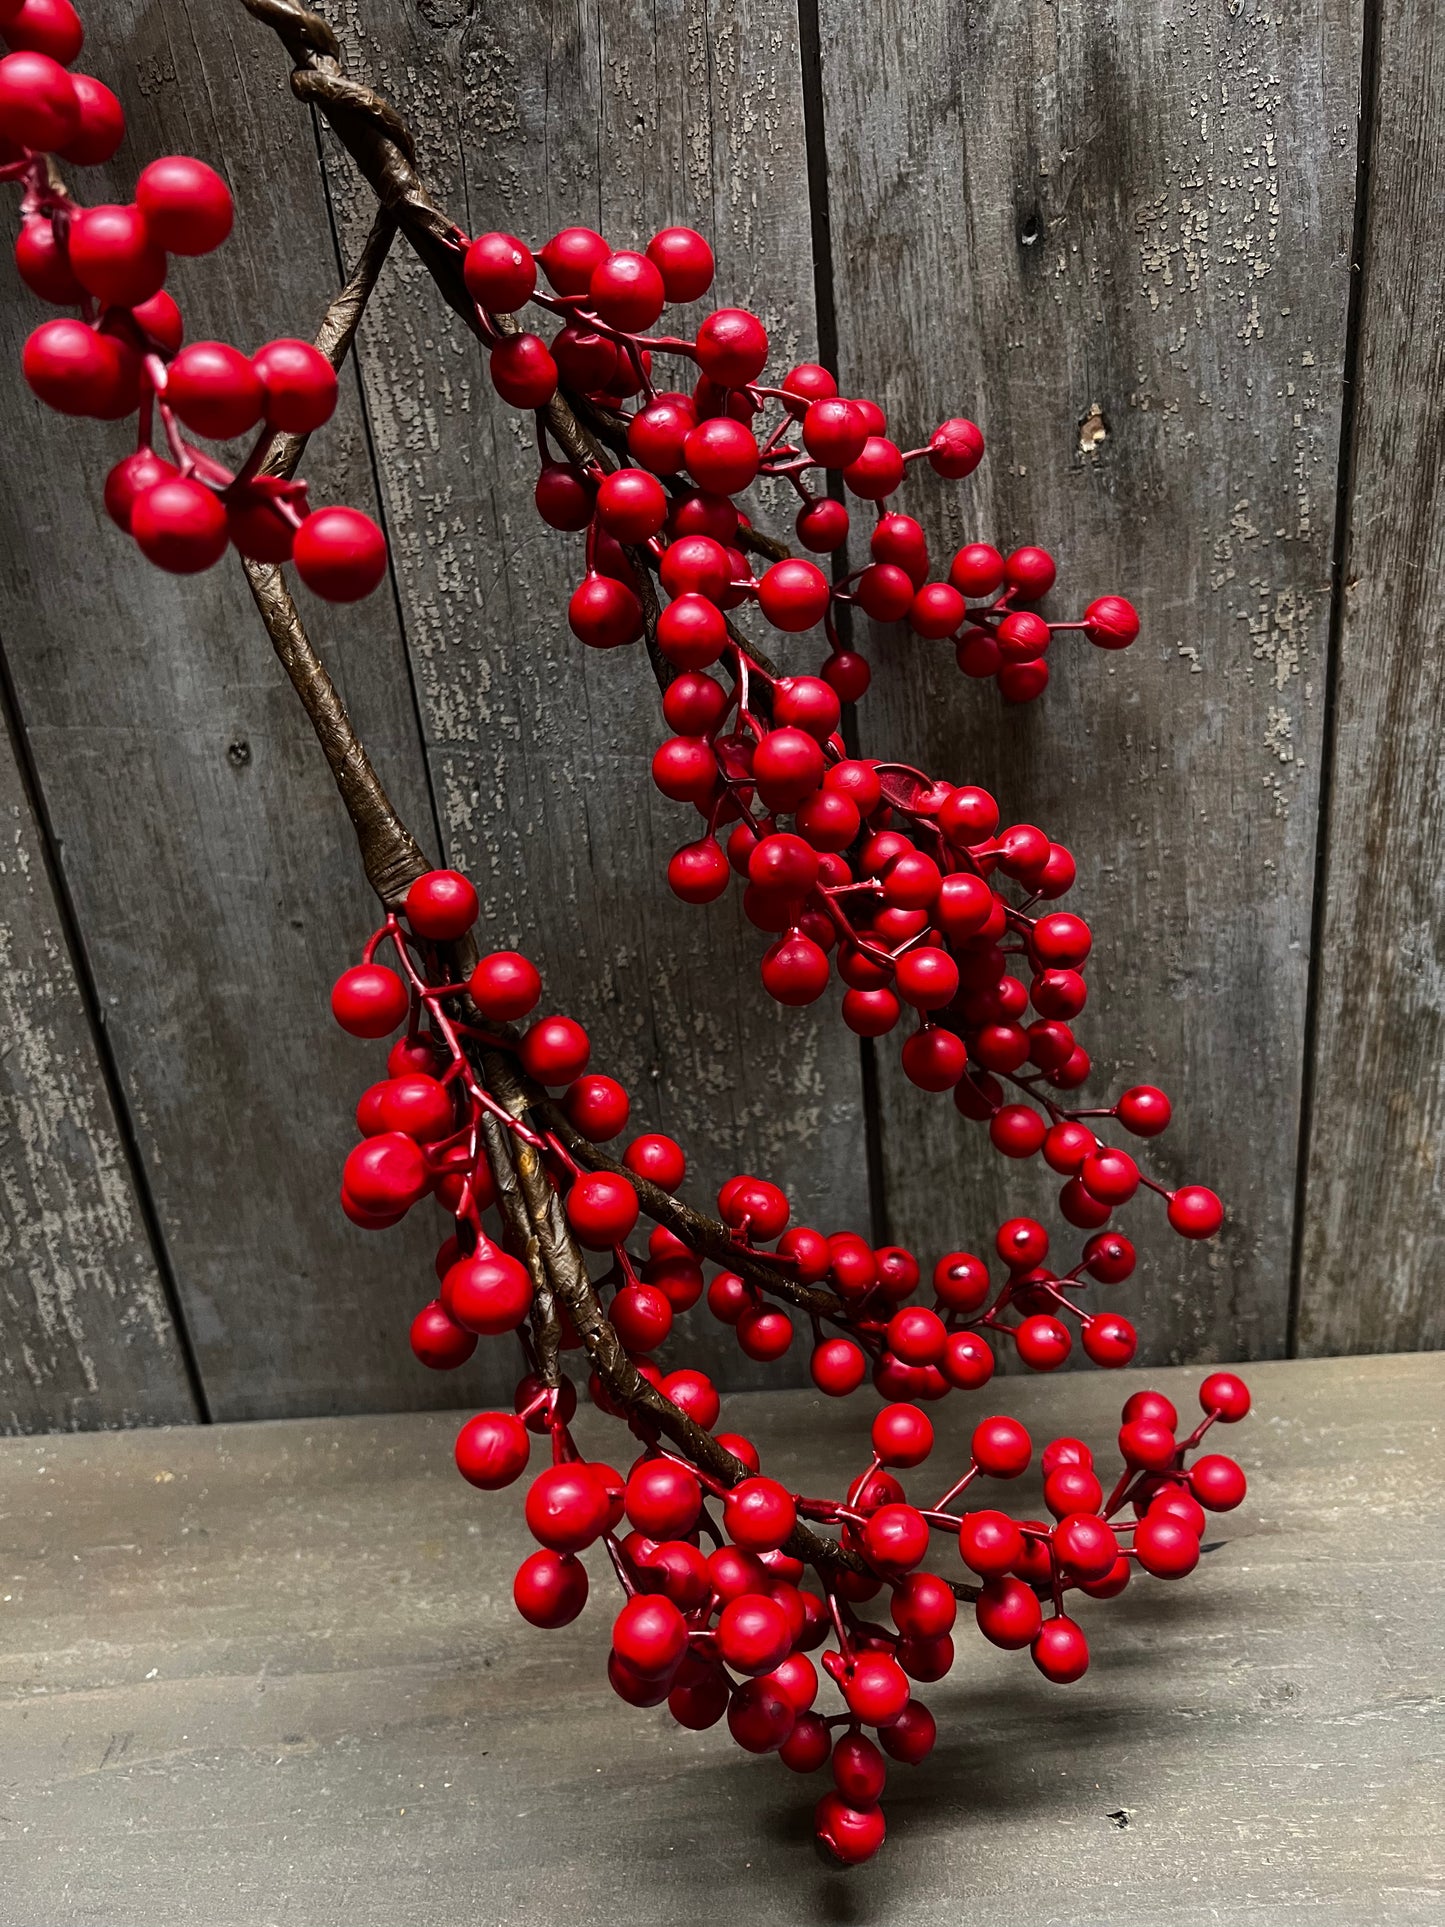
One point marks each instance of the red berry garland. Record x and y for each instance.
(909, 886)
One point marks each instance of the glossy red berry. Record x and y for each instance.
(441, 906)
(732, 347)
(1195, 1211)
(340, 554)
(989, 1543)
(602, 1209)
(187, 206)
(758, 1514)
(649, 1634)
(847, 1834)
(550, 1589)
(902, 1435)
(838, 1367)
(876, 472)
(492, 1450)
(489, 1293)
(129, 478)
(1165, 1546)
(1060, 1650)
(794, 595)
(566, 1506)
(1008, 1613)
(504, 986)
(684, 260)
(555, 1050)
(1112, 623)
(438, 1341)
(499, 272)
(1043, 1342)
(300, 385)
(1001, 1448)
(523, 371)
(180, 526)
(955, 449)
(1226, 1395)
(1217, 1482)
(38, 104)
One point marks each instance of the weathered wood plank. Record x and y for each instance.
(1374, 1212)
(625, 117)
(1040, 212)
(86, 1334)
(264, 1673)
(213, 872)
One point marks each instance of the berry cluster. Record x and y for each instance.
(122, 355)
(716, 1620)
(694, 452)
(729, 1579)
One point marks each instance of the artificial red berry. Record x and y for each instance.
(523, 371)
(504, 986)
(499, 272)
(180, 526)
(902, 1435)
(1195, 1211)
(684, 260)
(489, 1292)
(441, 906)
(566, 1506)
(1226, 1396)
(732, 347)
(847, 1834)
(339, 553)
(1165, 1546)
(1008, 1613)
(300, 385)
(44, 26)
(555, 1050)
(438, 1341)
(1001, 1448)
(38, 104)
(550, 1589)
(129, 478)
(187, 206)
(1217, 1482)
(492, 1450)
(1060, 1650)
(602, 1209)
(1111, 622)
(876, 472)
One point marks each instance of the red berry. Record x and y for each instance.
(684, 260)
(1109, 1340)
(438, 1341)
(662, 1498)
(834, 432)
(555, 1050)
(180, 526)
(989, 1543)
(838, 1367)
(849, 1835)
(698, 873)
(693, 1393)
(604, 613)
(764, 1333)
(128, 479)
(1110, 1176)
(187, 206)
(570, 258)
(795, 971)
(822, 526)
(753, 1633)
(44, 27)
(550, 1589)
(44, 266)
(936, 611)
(566, 1507)
(563, 496)
(787, 767)
(300, 385)
(1008, 1613)
(38, 104)
(876, 472)
(489, 1292)
(1031, 572)
(794, 595)
(732, 347)
(1217, 1482)
(215, 390)
(696, 564)
(758, 1514)
(499, 272)
(602, 1209)
(441, 906)
(934, 1059)
(340, 554)
(1043, 1343)
(1001, 1448)
(1226, 1395)
(597, 1107)
(902, 1435)
(896, 1538)
(1112, 623)
(504, 986)
(1060, 1650)
(114, 256)
(649, 1634)
(632, 504)
(523, 371)
(492, 1450)
(955, 449)
(876, 1689)
(1195, 1211)
(1165, 1546)
(369, 1001)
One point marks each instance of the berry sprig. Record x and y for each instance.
(122, 354)
(465, 1115)
(716, 1619)
(695, 451)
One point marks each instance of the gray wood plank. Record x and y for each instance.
(214, 875)
(86, 1334)
(1374, 1212)
(273, 1672)
(1038, 211)
(625, 117)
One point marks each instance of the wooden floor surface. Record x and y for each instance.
(272, 1673)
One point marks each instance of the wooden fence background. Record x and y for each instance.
(1183, 263)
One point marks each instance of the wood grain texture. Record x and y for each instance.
(86, 1335)
(625, 117)
(273, 1672)
(1118, 238)
(214, 874)
(1374, 1213)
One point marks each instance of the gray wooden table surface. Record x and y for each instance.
(268, 1673)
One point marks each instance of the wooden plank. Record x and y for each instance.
(86, 1334)
(273, 1672)
(1118, 238)
(1374, 1213)
(213, 872)
(625, 117)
